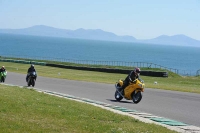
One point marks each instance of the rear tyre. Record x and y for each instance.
(118, 97)
(137, 96)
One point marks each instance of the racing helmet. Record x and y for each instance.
(3, 67)
(137, 70)
(32, 66)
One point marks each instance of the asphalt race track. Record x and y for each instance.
(179, 106)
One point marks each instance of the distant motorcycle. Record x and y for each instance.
(31, 79)
(132, 92)
(3, 76)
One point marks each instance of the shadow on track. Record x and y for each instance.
(118, 101)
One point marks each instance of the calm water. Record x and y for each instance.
(177, 57)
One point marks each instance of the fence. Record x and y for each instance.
(112, 63)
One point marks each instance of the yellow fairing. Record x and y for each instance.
(120, 82)
(136, 86)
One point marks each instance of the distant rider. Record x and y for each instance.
(2, 69)
(133, 75)
(30, 70)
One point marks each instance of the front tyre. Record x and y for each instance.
(137, 96)
(3, 79)
(118, 97)
(33, 82)
(29, 83)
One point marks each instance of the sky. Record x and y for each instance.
(142, 19)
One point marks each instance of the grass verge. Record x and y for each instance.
(24, 110)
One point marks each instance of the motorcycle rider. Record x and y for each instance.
(133, 75)
(30, 70)
(2, 69)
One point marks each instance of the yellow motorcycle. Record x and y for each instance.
(132, 92)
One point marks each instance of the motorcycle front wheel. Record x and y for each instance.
(33, 82)
(29, 83)
(118, 97)
(2, 79)
(137, 96)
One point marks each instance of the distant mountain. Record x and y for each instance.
(174, 40)
(98, 34)
(41, 30)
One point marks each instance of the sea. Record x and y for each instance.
(186, 59)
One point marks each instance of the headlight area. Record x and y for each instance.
(141, 85)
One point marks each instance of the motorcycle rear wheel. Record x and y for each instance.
(137, 96)
(118, 97)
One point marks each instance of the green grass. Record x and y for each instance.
(173, 82)
(25, 110)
